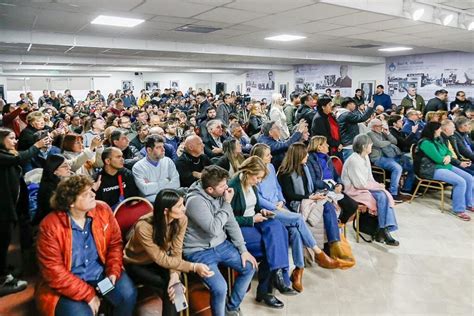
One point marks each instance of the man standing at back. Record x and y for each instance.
(438, 103)
(413, 100)
(224, 109)
(290, 110)
(380, 98)
(213, 237)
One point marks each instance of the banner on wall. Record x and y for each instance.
(430, 72)
(317, 78)
(260, 84)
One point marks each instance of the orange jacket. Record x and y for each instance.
(54, 250)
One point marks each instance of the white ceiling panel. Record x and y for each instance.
(171, 8)
(361, 18)
(426, 27)
(390, 24)
(319, 11)
(227, 15)
(268, 6)
(346, 31)
(315, 27)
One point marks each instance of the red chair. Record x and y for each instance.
(337, 163)
(129, 211)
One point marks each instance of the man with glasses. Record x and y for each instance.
(413, 100)
(461, 102)
(214, 139)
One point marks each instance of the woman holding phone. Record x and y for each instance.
(153, 255)
(266, 238)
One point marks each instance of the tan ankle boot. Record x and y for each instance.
(297, 279)
(326, 262)
(345, 260)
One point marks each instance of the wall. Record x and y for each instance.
(367, 73)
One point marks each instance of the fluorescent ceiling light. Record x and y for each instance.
(471, 26)
(285, 38)
(418, 14)
(116, 21)
(394, 49)
(447, 19)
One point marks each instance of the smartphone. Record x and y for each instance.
(102, 136)
(41, 134)
(180, 302)
(105, 286)
(270, 215)
(323, 192)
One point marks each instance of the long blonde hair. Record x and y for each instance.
(293, 158)
(251, 166)
(228, 147)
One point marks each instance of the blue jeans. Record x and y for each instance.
(122, 297)
(396, 166)
(227, 255)
(331, 224)
(346, 153)
(299, 234)
(462, 186)
(385, 213)
(268, 241)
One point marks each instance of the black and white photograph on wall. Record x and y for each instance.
(283, 89)
(174, 84)
(238, 88)
(317, 78)
(127, 85)
(260, 84)
(151, 85)
(367, 88)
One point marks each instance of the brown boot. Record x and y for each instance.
(297, 279)
(326, 262)
(336, 252)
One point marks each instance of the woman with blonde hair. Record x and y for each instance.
(265, 237)
(432, 116)
(232, 157)
(277, 115)
(256, 119)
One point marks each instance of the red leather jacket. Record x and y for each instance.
(54, 249)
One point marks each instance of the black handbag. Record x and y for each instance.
(368, 224)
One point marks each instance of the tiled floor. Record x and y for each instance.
(430, 273)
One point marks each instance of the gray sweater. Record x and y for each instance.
(210, 222)
(380, 141)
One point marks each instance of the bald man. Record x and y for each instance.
(192, 161)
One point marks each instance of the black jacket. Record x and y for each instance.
(49, 183)
(209, 143)
(305, 112)
(287, 187)
(451, 140)
(203, 111)
(404, 142)
(255, 125)
(109, 190)
(131, 155)
(358, 101)
(11, 181)
(321, 126)
(349, 124)
(435, 104)
(186, 164)
(135, 142)
(461, 140)
(223, 112)
(464, 105)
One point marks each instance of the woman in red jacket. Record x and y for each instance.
(78, 246)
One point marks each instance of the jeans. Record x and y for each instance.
(157, 278)
(346, 153)
(122, 297)
(331, 224)
(268, 241)
(462, 187)
(396, 166)
(385, 213)
(227, 255)
(299, 234)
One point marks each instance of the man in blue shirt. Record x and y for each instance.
(380, 98)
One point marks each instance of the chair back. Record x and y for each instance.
(129, 211)
(338, 164)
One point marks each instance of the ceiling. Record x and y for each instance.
(61, 33)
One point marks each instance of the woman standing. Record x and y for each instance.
(360, 185)
(277, 115)
(265, 237)
(11, 182)
(153, 255)
(256, 119)
(79, 245)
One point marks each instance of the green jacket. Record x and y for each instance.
(436, 151)
(238, 202)
(407, 103)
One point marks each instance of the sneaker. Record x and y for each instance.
(11, 285)
(232, 313)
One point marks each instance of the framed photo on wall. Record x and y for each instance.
(174, 84)
(283, 89)
(368, 89)
(127, 85)
(151, 85)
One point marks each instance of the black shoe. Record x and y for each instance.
(270, 300)
(10, 285)
(279, 284)
(389, 240)
(379, 235)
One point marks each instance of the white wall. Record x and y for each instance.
(365, 73)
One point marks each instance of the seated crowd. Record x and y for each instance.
(233, 183)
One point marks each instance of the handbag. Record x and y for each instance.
(368, 224)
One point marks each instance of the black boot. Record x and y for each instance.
(279, 283)
(379, 236)
(270, 300)
(389, 240)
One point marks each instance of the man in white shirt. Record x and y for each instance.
(155, 172)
